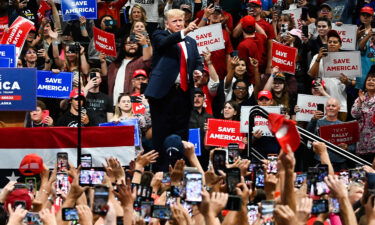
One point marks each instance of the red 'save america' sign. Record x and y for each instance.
(105, 42)
(284, 57)
(222, 132)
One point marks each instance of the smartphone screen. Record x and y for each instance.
(300, 179)
(259, 177)
(252, 213)
(233, 152)
(45, 113)
(146, 210)
(272, 163)
(92, 75)
(234, 203)
(62, 183)
(233, 178)
(267, 208)
(357, 174)
(219, 160)
(371, 182)
(319, 206)
(335, 205)
(161, 212)
(320, 107)
(100, 200)
(344, 177)
(90, 177)
(32, 218)
(70, 214)
(311, 180)
(193, 187)
(321, 187)
(62, 162)
(86, 161)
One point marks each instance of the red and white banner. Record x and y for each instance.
(100, 142)
(210, 37)
(296, 15)
(222, 132)
(347, 133)
(348, 34)
(43, 8)
(105, 42)
(17, 33)
(284, 57)
(348, 63)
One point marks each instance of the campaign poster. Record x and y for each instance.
(222, 132)
(284, 57)
(195, 138)
(104, 42)
(73, 9)
(308, 105)
(54, 85)
(347, 133)
(347, 63)
(210, 37)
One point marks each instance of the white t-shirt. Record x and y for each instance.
(120, 79)
(334, 87)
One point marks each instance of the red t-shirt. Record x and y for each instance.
(208, 100)
(112, 9)
(200, 14)
(267, 27)
(3, 24)
(253, 47)
(219, 57)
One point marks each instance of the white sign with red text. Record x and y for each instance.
(296, 15)
(348, 34)
(308, 105)
(210, 37)
(348, 63)
(284, 57)
(260, 123)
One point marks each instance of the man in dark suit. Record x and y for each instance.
(171, 87)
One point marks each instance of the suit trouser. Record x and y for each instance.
(169, 115)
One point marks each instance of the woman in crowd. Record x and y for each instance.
(237, 70)
(241, 94)
(39, 117)
(231, 111)
(282, 24)
(363, 110)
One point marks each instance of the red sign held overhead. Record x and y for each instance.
(284, 57)
(105, 42)
(17, 32)
(222, 132)
(347, 133)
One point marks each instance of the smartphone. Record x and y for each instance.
(31, 183)
(320, 107)
(267, 208)
(305, 31)
(304, 14)
(272, 163)
(20, 186)
(252, 166)
(234, 203)
(62, 161)
(325, 46)
(357, 174)
(284, 29)
(219, 160)
(92, 75)
(311, 180)
(161, 212)
(143, 88)
(135, 99)
(91, 176)
(32, 218)
(300, 179)
(22, 203)
(252, 213)
(146, 210)
(344, 177)
(70, 214)
(335, 205)
(119, 220)
(371, 182)
(193, 187)
(62, 183)
(234, 53)
(86, 161)
(132, 38)
(259, 177)
(170, 199)
(233, 178)
(319, 206)
(100, 200)
(321, 187)
(233, 152)
(166, 178)
(45, 113)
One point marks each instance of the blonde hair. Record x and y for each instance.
(173, 12)
(118, 112)
(143, 11)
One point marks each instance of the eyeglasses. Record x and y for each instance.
(240, 88)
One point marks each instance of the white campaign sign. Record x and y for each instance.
(348, 63)
(348, 34)
(260, 123)
(210, 37)
(296, 15)
(307, 105)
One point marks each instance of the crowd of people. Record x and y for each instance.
(160, 79)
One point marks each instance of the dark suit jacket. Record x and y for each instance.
(166, 62)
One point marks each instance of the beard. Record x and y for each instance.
(131, 54)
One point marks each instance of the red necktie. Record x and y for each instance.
(183, 69)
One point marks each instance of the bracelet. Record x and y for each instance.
(145, 46)
(138, 171)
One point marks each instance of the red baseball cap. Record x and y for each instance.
(247, 21)
(257, 2)
(368, 10)
(31, 165)
(74, 93)
(140, 72)
(18, 195)
(285, 131)
(266, 94)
